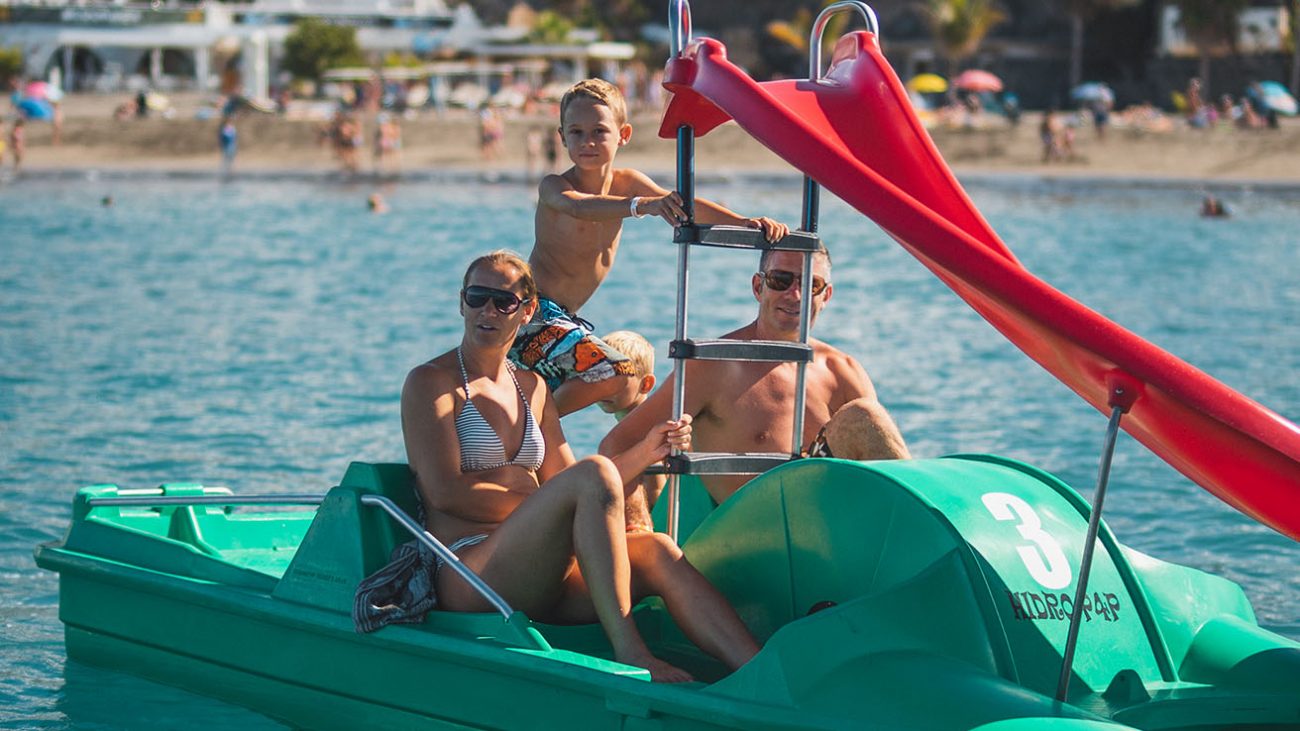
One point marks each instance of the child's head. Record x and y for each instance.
(600, 92)
(642, 355)
(593, 124)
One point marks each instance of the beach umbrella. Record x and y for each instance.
(977, 80)
(1276, 97)
(928, 84)
(1093, 91)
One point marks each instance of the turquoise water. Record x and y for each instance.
(256, 335)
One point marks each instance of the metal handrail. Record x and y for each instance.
(1089, 545)
(819, 27)
(679, 25)
(225, 500)
(448, 558)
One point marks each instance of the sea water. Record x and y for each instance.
(256, 334)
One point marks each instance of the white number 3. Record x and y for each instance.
(1044, 559)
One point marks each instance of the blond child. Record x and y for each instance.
(578, 224)
(641, 355)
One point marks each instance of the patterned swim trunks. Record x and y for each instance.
(558, 345)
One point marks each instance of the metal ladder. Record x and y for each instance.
(805, 240)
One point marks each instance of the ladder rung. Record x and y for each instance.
(741, 237)
(720, 463)
(779, 351)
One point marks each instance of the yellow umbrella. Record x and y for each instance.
(928, 84)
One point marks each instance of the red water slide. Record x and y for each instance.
(855, 133)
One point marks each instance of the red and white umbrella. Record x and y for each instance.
(977, 80)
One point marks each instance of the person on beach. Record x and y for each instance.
(18, 143)
(740, 406)
(228, 142)
(542, 528)
(388, 144)
(579, 223)
(533, 154)
(1049, 133)
(348, 141)
(491, 131)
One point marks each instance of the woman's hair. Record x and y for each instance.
(504, 256)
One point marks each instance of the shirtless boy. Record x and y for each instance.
(579, 222)
(749, 406)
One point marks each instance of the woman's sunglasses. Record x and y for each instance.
(505, 302)
(779, 280)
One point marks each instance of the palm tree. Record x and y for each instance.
(1080, 12)
(959, 26)
(1211, 26)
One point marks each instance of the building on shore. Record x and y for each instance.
(237, 47)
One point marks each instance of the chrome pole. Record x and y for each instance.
(679, 22)
(444, 553)
(231, 500)
(808, 221)
(1085, 566)
(819, 27)
(679, 25)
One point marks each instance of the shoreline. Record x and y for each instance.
(760, 178)
(447, 148)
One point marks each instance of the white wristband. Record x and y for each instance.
(636, 200)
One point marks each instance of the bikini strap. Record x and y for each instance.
(464, 375)
(510, 366)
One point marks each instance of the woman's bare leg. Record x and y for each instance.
(577, 512)
(702, 612)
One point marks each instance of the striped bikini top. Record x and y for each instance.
(481, 448)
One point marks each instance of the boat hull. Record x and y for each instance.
(872, 586)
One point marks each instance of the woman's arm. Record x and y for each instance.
(559, 456)
(433, 450)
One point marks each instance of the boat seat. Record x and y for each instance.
(810, 535)
(394, 481)
(349, 541)
(970, 556)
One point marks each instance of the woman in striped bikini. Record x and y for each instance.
(543, 529)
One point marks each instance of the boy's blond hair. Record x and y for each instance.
(599, 91)
(636, 348)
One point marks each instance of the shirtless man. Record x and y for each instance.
(749, 406)
(579, 223)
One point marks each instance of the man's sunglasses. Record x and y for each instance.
(779, 280)
(505, 302)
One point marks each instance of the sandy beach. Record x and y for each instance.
(93, 140)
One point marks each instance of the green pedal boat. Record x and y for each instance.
(923, 594)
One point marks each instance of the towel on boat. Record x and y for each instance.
(400, 592)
